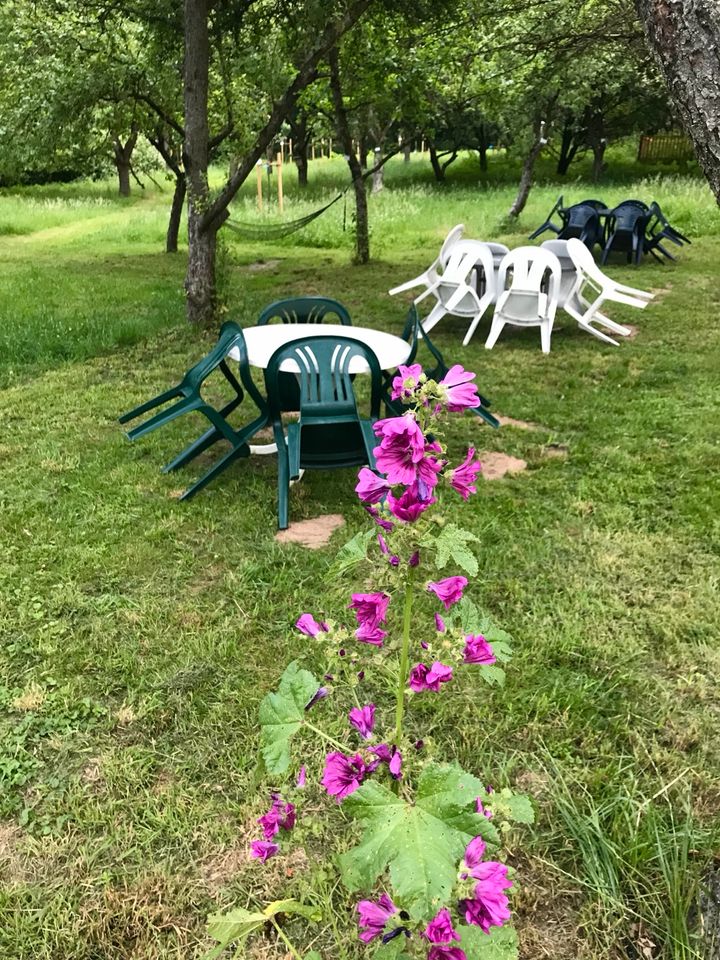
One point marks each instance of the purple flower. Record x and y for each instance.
(370, 487)
(279, 815)
(391, 756)
(440, 928)
(308, 625)
(429, 678)
(262, 850)
(393, 560)
(449, 590)
(374, 916)
(474, 853)
(322, 692)
(402, 447)
(460, 393)
(409, 505)
(489, 906)
(406, 382)
(479, 808)
(380, 521)
(370, 608)
(343, 775)
(414, 559)
(440, 624)
(477, 650)
(444, 952)
(301, 777)
(395, 765)
(372, 635)
(463, 478)
(363, 719)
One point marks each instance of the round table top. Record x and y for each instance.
(262, 342)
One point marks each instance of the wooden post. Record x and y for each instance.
(258, 168)
(279, 161)
(290, 147)
(312, 150)
(329, 148)
(422, 146)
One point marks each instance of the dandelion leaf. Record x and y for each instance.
(421, 843)
(282, 714)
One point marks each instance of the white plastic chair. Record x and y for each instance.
(592, 289)
(432, 274)
(530, 301)
(456, 291)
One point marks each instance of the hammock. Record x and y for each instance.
(274, 231)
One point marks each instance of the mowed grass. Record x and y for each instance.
(139, 634)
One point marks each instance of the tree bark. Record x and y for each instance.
(438, 170)
(200, 287)
(178, 202)
(362, 232)
(407, 150)
(526, 178)
(122, 154)
(363, 150)
(685, 38)
(568, 149)
(598, 166)
(482, 148)
(301, 139)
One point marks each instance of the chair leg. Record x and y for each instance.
(150, 404)
(293, 450)
(217, 468)
(435, 315)
(283, 488)
(545, 335)
(165, 416)
(202, 443)
(370, 441)
(495, 331)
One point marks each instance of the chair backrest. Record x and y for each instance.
(230, 336)
(324, 378)
(627, 215)
(597, 204)
(535, 271)
(304, 310)
(579, 214)
(449, 242)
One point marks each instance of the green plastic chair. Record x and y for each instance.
(189, 399)
(301, 310)
(412, 334)
(330, 432)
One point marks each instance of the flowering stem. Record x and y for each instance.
(404, 670)
(285, 940)
(321, 733)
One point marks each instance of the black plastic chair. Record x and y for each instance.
(330, 432)
(659, 229)
(625, 230)
(413, 334)
(582, 221)
(549, 225)
(188, 399)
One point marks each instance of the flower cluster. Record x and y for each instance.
(281, 815)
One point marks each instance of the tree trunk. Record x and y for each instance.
(362, 233)
(178, 202)
(526, 178)
(482, 149)
(301, 139)
(407, 150)
(598, 160)
(363, 150)
(122, 153)
(200, 278)
(568, 149)
(438, 170)
(685, 37)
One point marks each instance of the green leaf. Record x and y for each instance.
(492, 674)
(469, 615)
(352, 553)
(239, 923)
(282, 714)
(394, 950)
(422, 843)
(500, 944)
(452, 544)
(513, 806)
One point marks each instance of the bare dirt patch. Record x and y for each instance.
(10, 857)
(519, 424)
(312, 534)
(218, 870)
(557, 451)
(261, 265)
(495, 465)
(634, 331)
(32, 699)
(662, 292)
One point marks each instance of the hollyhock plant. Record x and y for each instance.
(449, 590)
(478, 650)
(409, 799)
(374, 917)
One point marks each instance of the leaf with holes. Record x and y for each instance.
(282, 714)
(421, 842)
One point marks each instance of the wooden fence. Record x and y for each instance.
(665, 146)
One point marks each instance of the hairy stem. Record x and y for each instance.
(325, 736)
(285, 940)
(404, 670)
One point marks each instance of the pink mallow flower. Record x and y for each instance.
(429, 678)
(459, 393)
(370, 608)
(279, 815)
(406, 382)
(374, 916)
(402, 447)
(477, 650)
(371, 634)
(440, 624)
(409, 505)
(262, 850)
(343, 775)
(363, 719)
(449, 590)
(489, 906)
(308, 625)
(301, 777)
(440, 928)
(391, 756)
(446, 952)
(474, 853)
(463, 478)
(370, 487)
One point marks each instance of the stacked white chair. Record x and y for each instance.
(433, 272)
(532, 298)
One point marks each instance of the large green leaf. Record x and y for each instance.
(421, 842)
(282, 714)
(513, 806)
(239, 923)
(452, 543)
(500, 944)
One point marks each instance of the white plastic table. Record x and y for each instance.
(262, 342)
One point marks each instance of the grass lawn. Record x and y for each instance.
(139, 634)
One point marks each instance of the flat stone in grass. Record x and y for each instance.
(261, 265)
(557, 450)
(495, 465)
(520, 424)
(313, 534)
(633, 331)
